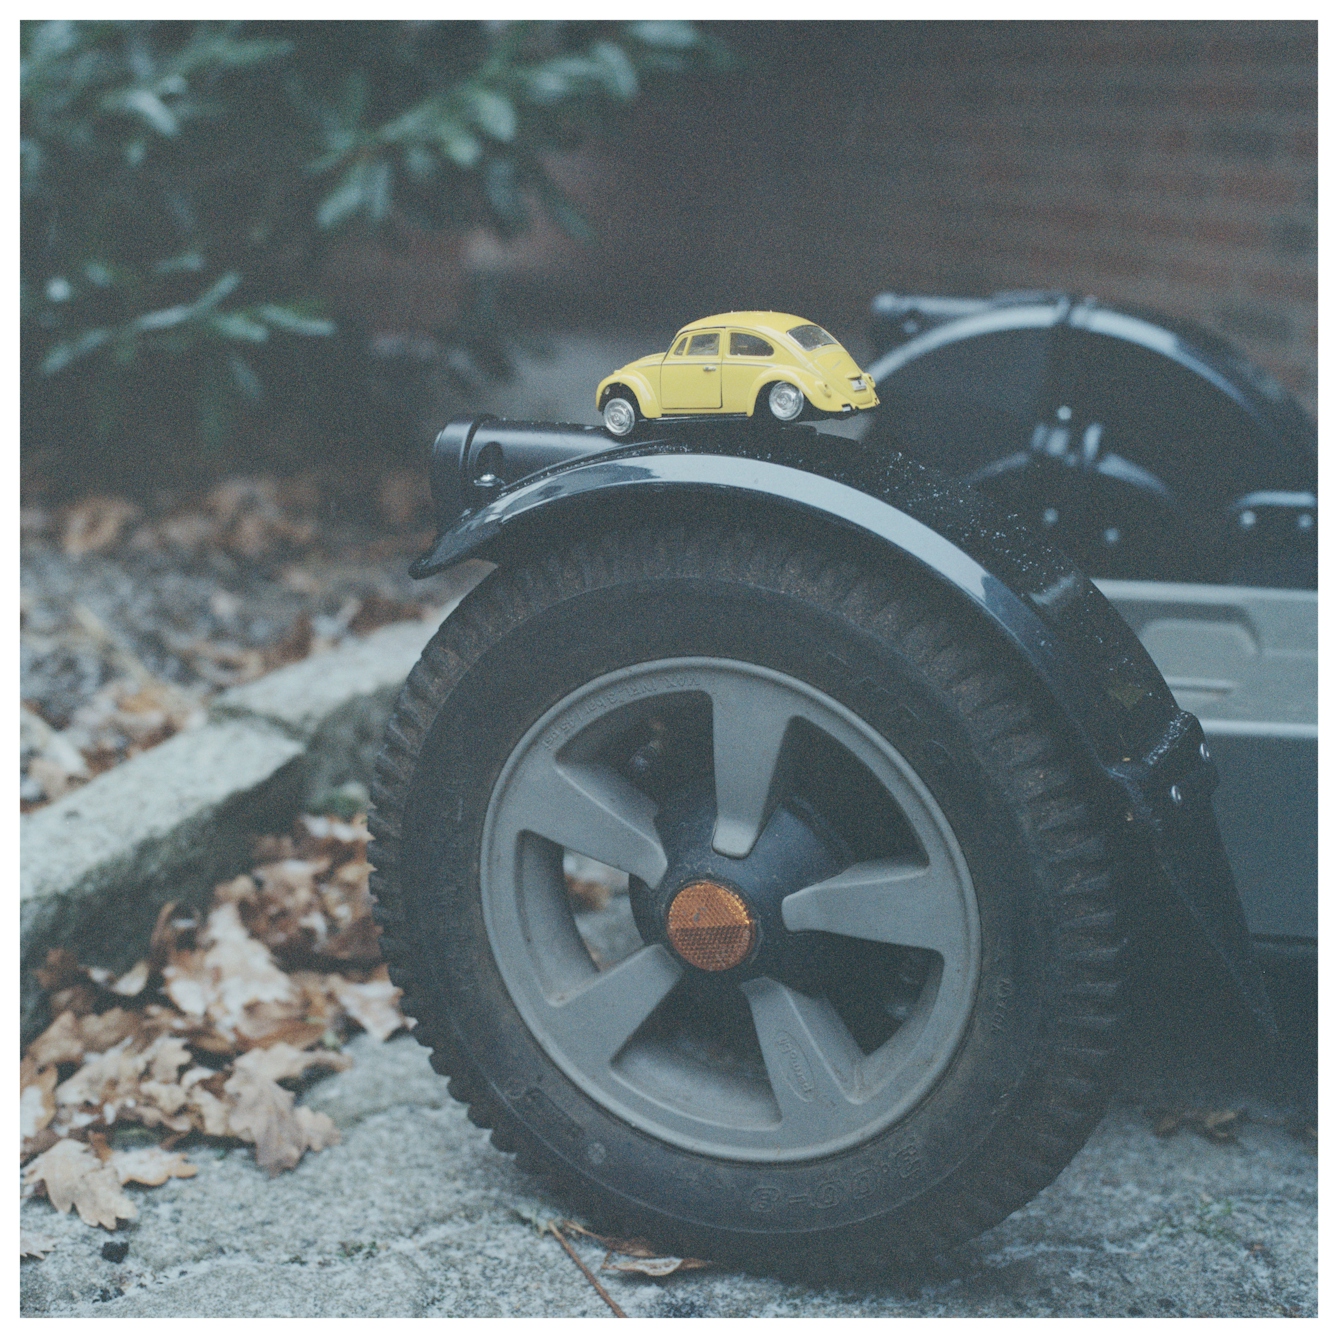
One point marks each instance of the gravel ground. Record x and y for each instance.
(415, 1213)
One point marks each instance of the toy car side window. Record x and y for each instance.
(748, 346)
(705, 345)
(682, 343)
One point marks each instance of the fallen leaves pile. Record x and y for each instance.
(195, 1040)
(260, 591)
(121, 719)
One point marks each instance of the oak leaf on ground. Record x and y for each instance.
(373, 1005)
(638, 1255)
(263, 1113)
(33, 1245)
(232, 972)
(150, 1166)
(70, 1174)
(61, 1043)
(37, 1101)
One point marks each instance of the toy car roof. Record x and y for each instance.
(774, 322)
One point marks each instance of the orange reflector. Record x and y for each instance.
(710, 926)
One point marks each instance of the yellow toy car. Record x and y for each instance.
(741, 364)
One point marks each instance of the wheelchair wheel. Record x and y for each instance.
(752, 894)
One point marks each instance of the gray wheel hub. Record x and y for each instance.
(753, 1063)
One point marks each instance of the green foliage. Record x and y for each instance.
(183, 183)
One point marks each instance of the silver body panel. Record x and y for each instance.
(1246, 662)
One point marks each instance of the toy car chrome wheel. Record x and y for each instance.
(751, 893)
(620, 416)
(785, 402)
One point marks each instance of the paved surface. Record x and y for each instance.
(415, 1213)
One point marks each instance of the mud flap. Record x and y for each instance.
(1170, 799)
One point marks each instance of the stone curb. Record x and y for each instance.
(96, 865)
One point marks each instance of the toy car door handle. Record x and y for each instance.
(709, 367)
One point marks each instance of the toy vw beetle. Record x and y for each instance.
(873, 785)
(742, 364)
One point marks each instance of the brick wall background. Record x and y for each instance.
(1170, 165)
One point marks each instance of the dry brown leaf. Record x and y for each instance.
(37, 1144)
(37, 1101)
(95, 524)
(33, 1245)
(658, 1266)
(167, 931)
(264, 1114)
(54, 777)
(231, 972)
(60, 969)
(134, 980)
(379, 610)
(61, 1043)
(1218, 1126)
(101, 1076)
(227, 994)
(151, 1166)
(321, 1004)
(639, 1255)
(360, 942)
(286, 1061)
(100, 1031)
(373, 1005)
(296, 644)
(71, 1174)
(138, 1083)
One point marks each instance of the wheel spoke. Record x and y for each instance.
(748, 724)
(596, 1020)
(887, 901)
(592, 810)
(812, 1060)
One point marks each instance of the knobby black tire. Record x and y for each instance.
(1046, 1116)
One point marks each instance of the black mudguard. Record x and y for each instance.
(1159, 775)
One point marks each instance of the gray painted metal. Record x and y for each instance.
(1246, 662)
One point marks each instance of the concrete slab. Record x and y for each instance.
(300, 698)
(167, 825)
(415, 1213)
(95, 866)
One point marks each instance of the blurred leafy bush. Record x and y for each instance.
(183, 185)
